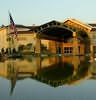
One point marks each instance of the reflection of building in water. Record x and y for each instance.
(54, 71)
(64, 74)
(93, 70)
(75, 62)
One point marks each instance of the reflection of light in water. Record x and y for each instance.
(38, 67)
(95, 59)
(92, 60)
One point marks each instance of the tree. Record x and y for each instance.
(2, 26)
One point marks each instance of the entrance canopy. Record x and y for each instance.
(54, 31)
(57, 33)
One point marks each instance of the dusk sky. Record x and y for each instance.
(28, 12)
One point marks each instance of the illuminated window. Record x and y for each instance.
(68, 50)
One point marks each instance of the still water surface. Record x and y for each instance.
(48, 78)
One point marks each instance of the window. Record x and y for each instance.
(68, 50)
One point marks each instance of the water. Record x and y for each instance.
(48, 78)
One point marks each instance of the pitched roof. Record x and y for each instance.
(93, 25)
(79, 22)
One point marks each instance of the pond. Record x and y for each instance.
(48, 78)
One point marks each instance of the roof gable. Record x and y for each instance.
(79, 22)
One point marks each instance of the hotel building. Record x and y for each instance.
(71, 37)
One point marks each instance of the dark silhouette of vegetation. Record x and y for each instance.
(2, 26)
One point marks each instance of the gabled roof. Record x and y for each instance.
(79, 22)
(93, 25)
(21, 28)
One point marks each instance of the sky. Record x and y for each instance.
(29, 12)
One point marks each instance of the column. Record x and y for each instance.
(52, 46)
(61, 47)
(75, 44)
(91, 50)
(37, 44)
